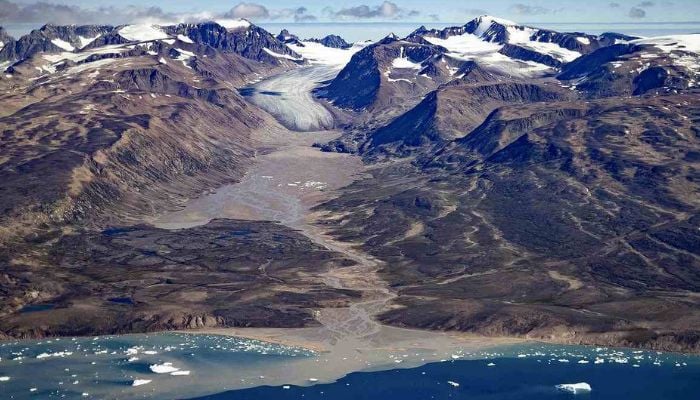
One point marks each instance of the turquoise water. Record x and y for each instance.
(523, 373)
(106, 367)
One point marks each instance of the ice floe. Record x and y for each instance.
(140, 382)
(165, 368)
(575, 388)
(180, 373)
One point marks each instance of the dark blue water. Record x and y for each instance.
(532, 377)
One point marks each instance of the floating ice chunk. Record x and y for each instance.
(285, 387)
(453, 383)
(164, 368)
(33, 389)
(583, 361)
(180, 373)
(4, 378)
(575, 388)
(150, 352)
(490, 364)
(139, 382)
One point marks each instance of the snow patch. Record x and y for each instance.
(84, 41)
(316, 53)
(184, 38)
(142, 33)
(232, 24)
(485, 22)
(673, 42)
(78, 57)
(404, 62)
(278, 55)
(63, 44)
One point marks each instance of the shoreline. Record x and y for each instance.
(281, 336)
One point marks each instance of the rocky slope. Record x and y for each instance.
(562, 209)
(131, 125)
(569, 221)
(332, 41)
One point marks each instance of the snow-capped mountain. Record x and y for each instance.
(495, 41)
(668, 63)
(397, 70)
(5, 38)
(80, 43)
(51, 39)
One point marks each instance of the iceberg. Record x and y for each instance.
(180, 373)
(575, 388)
(139, 382)
(165, 368)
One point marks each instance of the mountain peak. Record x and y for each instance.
(490, 19)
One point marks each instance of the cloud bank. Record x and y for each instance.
(45, 12)
(386, 10)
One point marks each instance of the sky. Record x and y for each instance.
(28, 14)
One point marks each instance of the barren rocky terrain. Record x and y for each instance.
(492, 178)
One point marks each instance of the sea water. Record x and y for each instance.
(182, 366)
(164, 366)
(520, 372)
